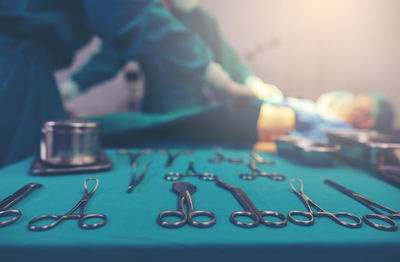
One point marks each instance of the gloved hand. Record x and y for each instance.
(264, 91)
(69, 89)
(219, 78)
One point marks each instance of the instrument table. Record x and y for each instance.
(132, 234)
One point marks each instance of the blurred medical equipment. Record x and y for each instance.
(136, 181)
(190, 172)
(260, 160)
(256, 172)
(133, 157)
(310, 214)
(305, 150)
(250, 210)
(221, 158)
(370, 149)
(173, 156)
(369, 218)
(70, 215)
(70, 143)
(184, 191)
(11, 200)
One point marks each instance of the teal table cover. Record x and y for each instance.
(132, 234)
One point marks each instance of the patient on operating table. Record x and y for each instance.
(333, 110)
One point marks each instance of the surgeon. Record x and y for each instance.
(106, 64)
(39, 36)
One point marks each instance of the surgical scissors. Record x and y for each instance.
(370, 204)
(190, 172)
(250, 210)
(309, 214)
(221, 158)
(260, 160)
(256, 172)
(80, 216)
(173, 156)
(13, 199)
(184, 191)
(136, 181)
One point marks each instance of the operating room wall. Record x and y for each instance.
(307, 47)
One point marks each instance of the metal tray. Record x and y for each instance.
(38, 167)
(366, 147)
(305, 150)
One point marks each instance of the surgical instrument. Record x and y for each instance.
(13, 199)
(70, 215)
(190, 172)
(133, 157)
(173, 156)
(256, 172)
(184, 191)
(251, 211)
(260, 160)
(136, 181)
(378, 215)
(310, 214)
(221, 158)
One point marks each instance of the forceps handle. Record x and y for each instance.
(301, 222)
(172, 213)
(83, 225)
(392, 224)
(202, 224)
(14, 214)
(173, 176)
(57, 220)
(336, 217)
(249, 214)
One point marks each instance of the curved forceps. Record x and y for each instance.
(80, 216)
(184, 191)
(378, 215)
(251, 211)
(256, 172)
(190, 172)
(9, 201)
(309, 214)
(173, 156)
(221, 158)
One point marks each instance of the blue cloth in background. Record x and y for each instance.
(309, 124)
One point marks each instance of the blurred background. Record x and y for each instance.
(305, 47)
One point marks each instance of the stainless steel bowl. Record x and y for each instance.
(67, 143)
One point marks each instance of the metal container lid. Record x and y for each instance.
(71, 126)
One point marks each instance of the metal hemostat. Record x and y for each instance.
(70, 215)
(310, 214)
(221, 158)
(136, 181)
(190, 172)
(133, 157)
(11, 200)
(378, 215)
(173, 156)
(256, 172)
(184, 191)
(250, 210)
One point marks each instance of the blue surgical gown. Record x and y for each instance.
(38, 36)
(106, 64)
